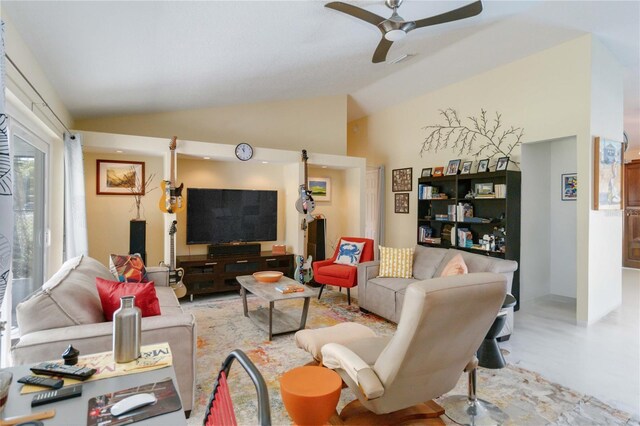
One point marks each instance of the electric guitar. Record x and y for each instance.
(175, 275)
(305, 205)
(171, 198)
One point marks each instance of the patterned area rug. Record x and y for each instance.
(526, 397)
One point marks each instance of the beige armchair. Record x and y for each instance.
(442, 324)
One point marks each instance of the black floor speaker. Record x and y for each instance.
(316, 239)
(138, 238)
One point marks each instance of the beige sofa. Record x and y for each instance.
(67, 310)
(385, 296)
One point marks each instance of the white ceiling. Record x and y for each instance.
(124, 57)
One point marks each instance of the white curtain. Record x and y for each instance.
(75, 214)
(6, 196)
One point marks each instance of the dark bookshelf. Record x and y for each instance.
(502, 213)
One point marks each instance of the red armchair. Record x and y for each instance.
(326, 272)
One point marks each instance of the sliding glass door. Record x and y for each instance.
(29, 195)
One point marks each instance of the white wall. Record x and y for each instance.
(562, 220)
(534, 233)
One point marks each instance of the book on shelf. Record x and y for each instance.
(427, 192)
(485, 196)
(431, 240)
(500, 190)
(289, 288)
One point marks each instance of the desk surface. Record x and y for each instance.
(74, 411)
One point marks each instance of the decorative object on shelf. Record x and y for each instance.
(115, 177)
(320, 188)
(402, 179)
(171, 198)
(127, 329)
(483, 165)
(483, 137)
(402, 203)
(426, 172)
(452, 167)
(569, 187)
(607, 172)
(502, 164)
(438, 172)
(244, 151)
(279, 249)
(267, 276)
(466, 168)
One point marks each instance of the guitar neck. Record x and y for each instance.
(173, 160)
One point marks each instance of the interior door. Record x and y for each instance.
(631, 248)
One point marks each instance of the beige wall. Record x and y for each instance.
(108, 216)
(318, 124)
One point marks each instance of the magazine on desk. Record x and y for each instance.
(99, 412)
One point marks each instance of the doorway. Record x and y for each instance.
(631, 230)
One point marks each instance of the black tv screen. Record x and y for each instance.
(228, 215)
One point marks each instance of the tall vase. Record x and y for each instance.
(127, 331)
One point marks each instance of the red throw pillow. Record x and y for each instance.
(110, 293)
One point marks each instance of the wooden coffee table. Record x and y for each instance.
(272, 320)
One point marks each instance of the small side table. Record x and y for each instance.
(310, 394)
(489, 355)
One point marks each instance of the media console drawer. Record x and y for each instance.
(206, 275)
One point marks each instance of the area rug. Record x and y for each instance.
(526, 397)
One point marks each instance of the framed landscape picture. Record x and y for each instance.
(570, 187)
(402, 203)
(320, 188)
(607, 174)
(401, 179)
(114, 177)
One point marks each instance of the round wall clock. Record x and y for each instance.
(244, 151)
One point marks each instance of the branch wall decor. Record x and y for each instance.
(481, 138)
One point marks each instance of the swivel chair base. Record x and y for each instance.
(478, 413)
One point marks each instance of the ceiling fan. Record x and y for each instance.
(395, 27)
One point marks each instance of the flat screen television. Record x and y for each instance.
(217, 216)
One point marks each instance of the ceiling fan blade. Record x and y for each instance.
(356, 12)
(460, 13)
(380, 55)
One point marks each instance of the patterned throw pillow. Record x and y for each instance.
(128, 268)
(349, 253)
(456, 266)
(396, 262)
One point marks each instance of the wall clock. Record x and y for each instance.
(244, 151)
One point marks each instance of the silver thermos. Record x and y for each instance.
(127, 330)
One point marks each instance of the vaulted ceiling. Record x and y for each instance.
(124, 57)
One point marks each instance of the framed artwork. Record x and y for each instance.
(452, 168)
(426, 172)
(402, 203)
(502, 164)
(484, 188)
(438, 171)
(466, 168)
(570, 187)
(320, 188)
(483, 166)
(114, 177)
(607, 174)
(401, 179)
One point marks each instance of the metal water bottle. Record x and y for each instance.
(127, 324)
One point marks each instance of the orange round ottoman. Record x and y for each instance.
(310, 394)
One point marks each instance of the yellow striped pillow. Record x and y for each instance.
(396, 262)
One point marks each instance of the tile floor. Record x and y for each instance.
(602, 360)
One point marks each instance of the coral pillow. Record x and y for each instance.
(128, 268)
(110, 293)
(456, 266)
(349, 253)
(396, 262)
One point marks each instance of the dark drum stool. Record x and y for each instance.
(489, 355)
(471, 410)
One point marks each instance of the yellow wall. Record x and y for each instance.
(318, 124)
(108, 216)
(334, 210)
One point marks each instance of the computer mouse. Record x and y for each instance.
(132, 402)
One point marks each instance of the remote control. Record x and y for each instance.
(42, 381)
(71, 371)
(56, 395)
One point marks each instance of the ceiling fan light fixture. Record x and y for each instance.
(395, 35)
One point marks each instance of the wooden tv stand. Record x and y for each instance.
(205, 275)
